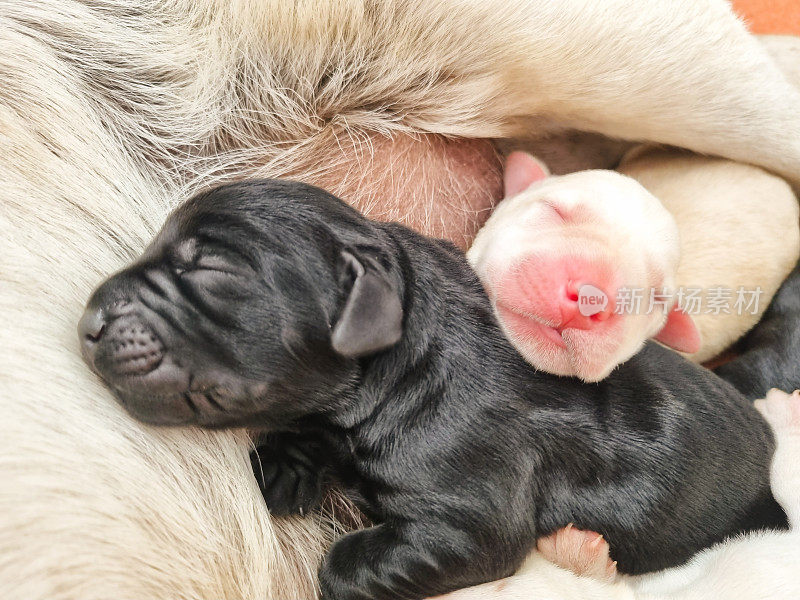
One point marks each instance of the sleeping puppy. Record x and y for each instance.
(556, 243)
(557, 256)
(747, 248)
(372, 354)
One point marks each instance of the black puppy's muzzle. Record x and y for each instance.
(117, 344)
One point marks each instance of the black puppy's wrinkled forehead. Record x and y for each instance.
(300, 231)
(273, 216)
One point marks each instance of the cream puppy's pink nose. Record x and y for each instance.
(566, 292)
(556, 256)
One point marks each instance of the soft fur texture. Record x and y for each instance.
(785, 51)
(95, 505)
(728, 239)
(557, 241)
(113, 111)
(761, 565)
(372, 352)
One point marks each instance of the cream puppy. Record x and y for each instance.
(564, 260)
(735, 252)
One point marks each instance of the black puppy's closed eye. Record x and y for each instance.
(203, 255)
(210, 262)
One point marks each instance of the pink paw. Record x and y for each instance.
(781, 410)
(585, 553)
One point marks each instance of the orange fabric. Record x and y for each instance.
(770, 16)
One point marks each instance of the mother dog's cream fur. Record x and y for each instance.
(113, 111)
(94, 505)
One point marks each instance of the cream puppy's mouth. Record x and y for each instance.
(529, 326)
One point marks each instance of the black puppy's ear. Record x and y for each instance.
(372, 318)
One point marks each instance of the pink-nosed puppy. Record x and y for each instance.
(738, 230)
(557, 255)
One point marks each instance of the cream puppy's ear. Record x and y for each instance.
(522, 170)
(680, 333)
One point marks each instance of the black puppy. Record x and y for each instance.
(373, 355)
(769, 355)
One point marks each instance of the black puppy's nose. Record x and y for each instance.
(92, 324)
(90, 329)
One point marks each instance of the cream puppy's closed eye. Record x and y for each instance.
(579, 269)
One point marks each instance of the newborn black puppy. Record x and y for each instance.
(769, 355)
(372, 354)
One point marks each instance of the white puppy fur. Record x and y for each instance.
(612, 233)
(760, 566)
(557, 242)
(729, 240)
(113, 111)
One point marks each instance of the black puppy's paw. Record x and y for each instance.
(288, 475)
(346, 574)
(412, 559)
(384, 562)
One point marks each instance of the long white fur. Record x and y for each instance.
(113, 111)
(785, 52)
